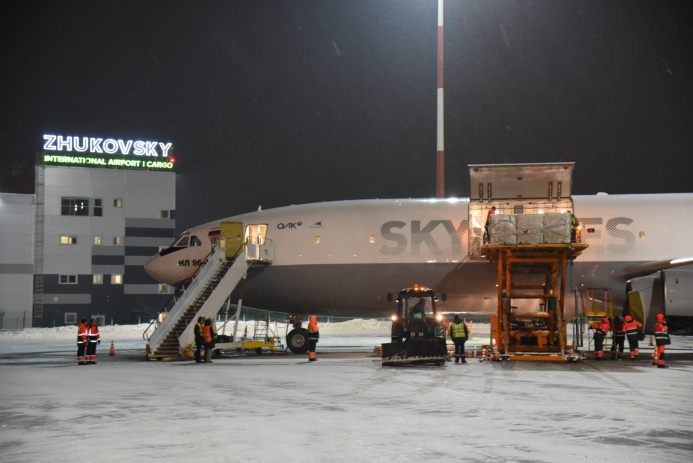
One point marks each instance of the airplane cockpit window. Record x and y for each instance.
(183, 242)
(195, 241)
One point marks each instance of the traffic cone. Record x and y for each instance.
(112, 352)
(650, 341)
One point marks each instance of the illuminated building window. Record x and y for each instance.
(74, 206)
(116, 279)
(98, 209)
(372, 239)
(316, 240)
(163, 289)
(65, 239)
(67, 279)
(117, 240)
(98, 240)
(117, 202)
(98, 279)
(165, 214)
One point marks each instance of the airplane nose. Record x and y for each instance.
(154, 267)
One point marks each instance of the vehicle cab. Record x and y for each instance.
(416, 316)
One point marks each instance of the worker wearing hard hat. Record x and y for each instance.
(313, 336)
(631, 326)
(662, 339)
(600, 330)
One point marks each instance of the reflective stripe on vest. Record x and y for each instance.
(207, 334)
(661, 332)
(631, 328)
(94, 334)
(458, 330)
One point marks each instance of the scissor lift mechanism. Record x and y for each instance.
(531, 335)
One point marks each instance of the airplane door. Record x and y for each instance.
(256, 248)
(231, 235)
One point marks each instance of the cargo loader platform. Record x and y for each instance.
(525, 272)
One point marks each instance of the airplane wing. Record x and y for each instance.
(648, 268)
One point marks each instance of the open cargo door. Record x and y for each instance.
(515, 189)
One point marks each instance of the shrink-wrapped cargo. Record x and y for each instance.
(530, 228)
(475, 241)
(557, 227)
(503, 229)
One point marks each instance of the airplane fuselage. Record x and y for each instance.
(343, 258)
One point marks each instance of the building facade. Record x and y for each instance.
(77, 247)
(100, 226)
(16, 260)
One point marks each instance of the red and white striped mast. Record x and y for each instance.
(440, 168)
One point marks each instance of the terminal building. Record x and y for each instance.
(76, 248)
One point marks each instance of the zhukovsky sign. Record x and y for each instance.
(105, 146)
(109, 152)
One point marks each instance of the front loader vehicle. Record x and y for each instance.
(418, 331)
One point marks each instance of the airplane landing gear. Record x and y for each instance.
(297, 340)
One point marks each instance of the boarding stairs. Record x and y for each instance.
(262, 330)
(203, 298)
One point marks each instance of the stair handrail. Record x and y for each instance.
(164, 309)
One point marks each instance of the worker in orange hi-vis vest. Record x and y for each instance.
(630, 326)
(313, 336)
(600, 331)
(662, 339)
(81, 341)
(93, 338)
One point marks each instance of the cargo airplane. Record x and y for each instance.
(343, 258)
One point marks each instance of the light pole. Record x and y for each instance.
(440, 166)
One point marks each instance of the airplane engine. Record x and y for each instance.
(678, 292)
(669, 292)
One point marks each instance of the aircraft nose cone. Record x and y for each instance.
(155, 268)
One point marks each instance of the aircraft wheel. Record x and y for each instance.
(297, 340)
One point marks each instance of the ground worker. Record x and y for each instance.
(631, 328)
(619, 339)
(459, 334)
(574, 227)
(488, 223)
(81, 341)
(600, 331)
(662, 339)
(199, 339)
(209, 336)
(313, 336)
(94, 338)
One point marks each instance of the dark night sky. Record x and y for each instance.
(284, 102)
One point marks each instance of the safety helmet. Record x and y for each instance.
(660, 317)
(628, 318)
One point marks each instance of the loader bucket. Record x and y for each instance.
(415, 352)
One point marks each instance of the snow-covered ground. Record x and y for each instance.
(345, 407)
